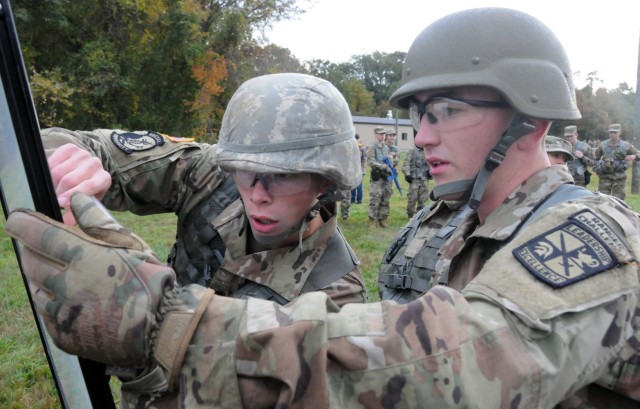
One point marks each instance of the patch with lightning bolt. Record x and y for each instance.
(577, 249)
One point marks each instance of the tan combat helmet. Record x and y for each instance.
(291, 123)
(507, 50)
(570, 130)
(282, 123)
(553, 144)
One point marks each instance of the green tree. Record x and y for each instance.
(139, 64)
(381, 74)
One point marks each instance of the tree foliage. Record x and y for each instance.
(145, 64)
(172, 65)
(601, 107)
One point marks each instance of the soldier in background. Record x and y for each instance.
(345, 204)
(394, 159)
(279, 240)
(416, 172)
(356, 194)
(376, 153)
(612, 161)
(534, 304)
(349, 197)
(558, 150)
(583, 157)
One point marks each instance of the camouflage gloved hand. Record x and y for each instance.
(97, 289)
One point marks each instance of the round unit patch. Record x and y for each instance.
(130, 142)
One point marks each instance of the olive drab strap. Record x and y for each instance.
(403, 279)
(199, 249)
(337, 261)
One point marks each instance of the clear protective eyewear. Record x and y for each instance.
(277, 184)
(449, 114)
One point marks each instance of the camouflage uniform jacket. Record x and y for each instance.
(175, 177)
(415, 164)
(550, 318)
(363, 157)
(375, 158)
(166, 177)
(284, 270)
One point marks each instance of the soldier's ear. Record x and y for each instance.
(535, 137)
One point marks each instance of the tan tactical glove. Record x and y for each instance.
(101, 292)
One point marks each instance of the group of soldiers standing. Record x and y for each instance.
(609, 160)
(382, 158)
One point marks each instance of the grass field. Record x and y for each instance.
(25, 381)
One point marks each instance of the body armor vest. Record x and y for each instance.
(612, 159)
(403, 280)
(577, 166)
(199, 249)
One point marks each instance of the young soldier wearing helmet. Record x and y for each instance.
(538, 306)
(288, 156)
(612, 158)
(558, 150)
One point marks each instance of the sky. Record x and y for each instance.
(602, 37)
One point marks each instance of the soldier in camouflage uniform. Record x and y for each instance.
(558, 150)
(537, 305)
(345, 204)
(356, 194)
(612, 161)
(311, 254)
(376, 153)
(583, 156)
(394, 159)
(416, 172)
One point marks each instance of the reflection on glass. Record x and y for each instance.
(15, 193)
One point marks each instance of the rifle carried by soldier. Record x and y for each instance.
(394, 174)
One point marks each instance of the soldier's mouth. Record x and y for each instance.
(263, 220)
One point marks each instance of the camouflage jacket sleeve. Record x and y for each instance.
(168, 176)
(499, 343)
(588, 154)
(597, 153)
(631, 150)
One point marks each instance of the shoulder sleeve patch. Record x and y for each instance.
(130, 142)
(577, 249)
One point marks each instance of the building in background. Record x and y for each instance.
(366, 124)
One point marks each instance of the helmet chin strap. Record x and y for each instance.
(457, 188)
(473, 189)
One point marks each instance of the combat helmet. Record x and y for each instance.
(555, 144)
(282, 123)
(291, 123)
(501, 48)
